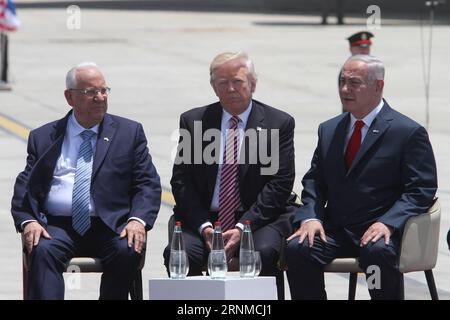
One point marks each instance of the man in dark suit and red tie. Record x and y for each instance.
(238, 183)
(373, 168)
(89, 188)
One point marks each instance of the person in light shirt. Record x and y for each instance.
(89, 188)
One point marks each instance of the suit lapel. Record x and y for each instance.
(254, 121)
(212, 119)
(47, 161)
(57, 139)
(379, 125)
(104, 139)
(42, 172)
(338, 143)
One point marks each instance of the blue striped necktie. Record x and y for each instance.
(81, 194)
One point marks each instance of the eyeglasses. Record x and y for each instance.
(94, 92)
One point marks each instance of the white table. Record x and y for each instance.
(205, 288)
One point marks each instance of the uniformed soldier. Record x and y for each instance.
(360, 42)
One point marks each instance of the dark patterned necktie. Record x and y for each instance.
(229, 200)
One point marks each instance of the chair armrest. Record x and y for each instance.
(420, 241)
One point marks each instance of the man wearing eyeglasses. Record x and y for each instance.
(89, 188)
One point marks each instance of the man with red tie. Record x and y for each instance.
(373, 168)
(234, 185)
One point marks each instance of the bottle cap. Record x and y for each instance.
(178, 223)
(247, 222)
(217, 223)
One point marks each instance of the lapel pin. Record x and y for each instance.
(106, 139)
(375, 131)
(258, 128)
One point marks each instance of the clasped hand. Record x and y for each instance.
(231, 239)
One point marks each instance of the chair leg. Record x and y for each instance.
(431, 284)
(139, 291)
(401, 288)
(352, 285)
(24, 282)
(136, 286)
(132, 290)
(280, 285)
(25, 269)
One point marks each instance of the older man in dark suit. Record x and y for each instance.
(89, 187)
(373, 168)
(238, 183)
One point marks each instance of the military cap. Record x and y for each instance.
(361, 39)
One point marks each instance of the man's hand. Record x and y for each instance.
(231, 238)
(309, 229)
(136, 234)
(32, 233)
(375, 232)
(207, 236)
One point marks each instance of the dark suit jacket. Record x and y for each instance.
(392, 178)
(124, 181)
(263, 197)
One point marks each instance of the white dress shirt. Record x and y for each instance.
(59, 198)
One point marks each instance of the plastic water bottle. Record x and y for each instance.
(217, 260)
(247, 253)
(178, 262)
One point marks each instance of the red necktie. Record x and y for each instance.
(229, 200)
(353, 144)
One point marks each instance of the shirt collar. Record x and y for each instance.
(369, 118)
(75, 128)
(243, 116)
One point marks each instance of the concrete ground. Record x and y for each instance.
(157, 66)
